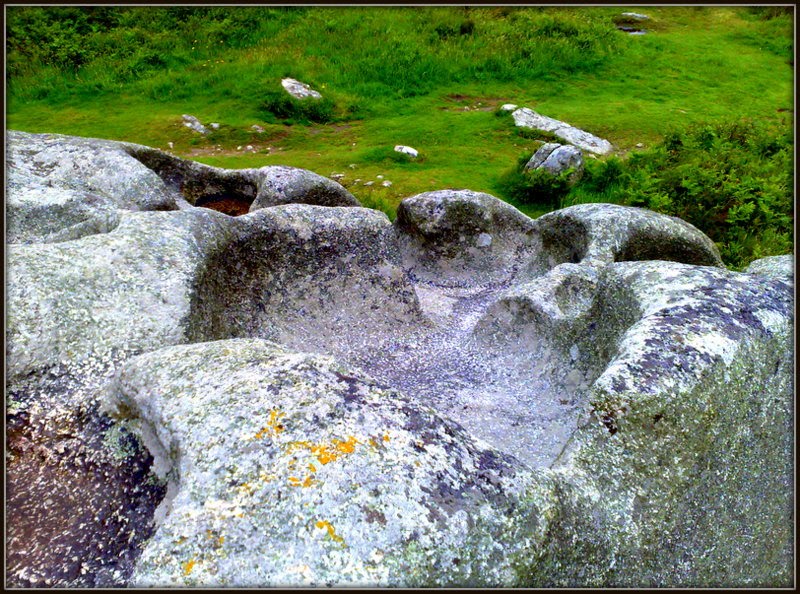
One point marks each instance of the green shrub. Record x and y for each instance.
(388, 155)
(537, 186)
(279, 105)
(731, 180)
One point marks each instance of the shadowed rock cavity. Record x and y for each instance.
(240, 191)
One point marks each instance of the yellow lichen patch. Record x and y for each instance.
(386, 437)
(331, 530)
(187, 567)
(273, 426)
(326, 453)
(311, 467)
(345, 447)
(246, 489)
(296, 482)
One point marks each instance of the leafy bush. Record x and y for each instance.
(731, 180)
(388, 155)
(536, 186)
(279, 105)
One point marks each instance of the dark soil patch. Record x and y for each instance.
(229, 205)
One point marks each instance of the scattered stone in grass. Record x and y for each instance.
(299, 90)
(407, 150)
(194, 124)
(558, 158)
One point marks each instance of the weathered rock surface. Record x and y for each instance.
(527, 118)
(65, 187)
(776, 267)
(287, 185)
(605, 233)
(462, 237)
(287, 469)
(465, 396)
(61, 188)
(299, 90)
(558, 158)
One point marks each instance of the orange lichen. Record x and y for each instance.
(296, 482)
(386, 437)
(326, 453)
(187, 568)
(331, 531)
(246, 489)
(273, 427)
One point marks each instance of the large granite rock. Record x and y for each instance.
(465, 396)
(65, 187)
(289, 185)
(288, 469)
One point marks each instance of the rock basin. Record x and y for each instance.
(465, 396)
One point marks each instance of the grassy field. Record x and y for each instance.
(430, 78)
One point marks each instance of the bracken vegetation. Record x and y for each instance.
(707, 92)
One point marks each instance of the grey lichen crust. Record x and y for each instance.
(463, 397)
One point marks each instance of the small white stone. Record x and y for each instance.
(238, 148)
(386, 183)
(369, 183)
(214, 125)
(379, 176)
(484, 240)
(411, 152)
(508, 107)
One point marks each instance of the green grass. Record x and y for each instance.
(392, 76)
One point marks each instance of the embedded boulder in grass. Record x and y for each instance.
(299, 90)
(407, 150)
(527, 118)
(289, 470)
(194, 124)
(556, 159)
